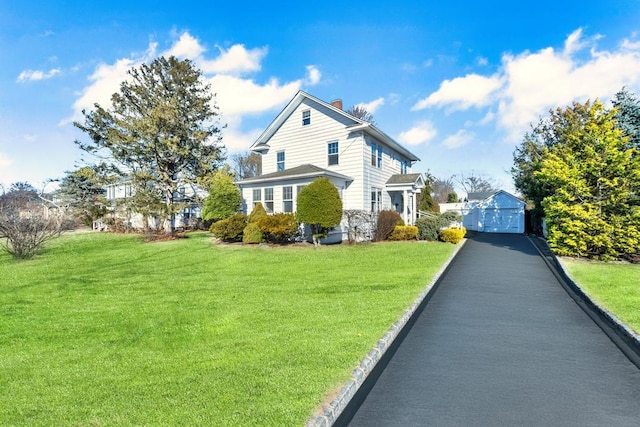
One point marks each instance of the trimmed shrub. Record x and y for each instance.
(452, 235)
(320, 207)
(252, 234)
(451, 216)
(257, 213)
(387, 221)
(230, 229)
(429, 227)
(279, 228)
(224, 200)
(404, 232)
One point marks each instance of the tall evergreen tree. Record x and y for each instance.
(628, 116)
(585, 180)
(224, 197)
(162, 127)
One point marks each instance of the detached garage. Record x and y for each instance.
(500, 212)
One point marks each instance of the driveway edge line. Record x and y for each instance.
(621, 335)
(336, 412)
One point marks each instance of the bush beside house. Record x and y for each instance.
(320, 207)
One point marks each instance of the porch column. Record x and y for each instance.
(413, 208)
(405, 208)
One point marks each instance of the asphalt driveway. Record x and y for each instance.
(501, 343)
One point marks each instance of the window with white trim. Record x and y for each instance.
(376, 199)
(287, 199)
(268, 200)
(332, 150)
(403, 167)
(280, 160)
(257, 196)
(306, 117)
(376, 155)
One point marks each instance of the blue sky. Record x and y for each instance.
(457, 82)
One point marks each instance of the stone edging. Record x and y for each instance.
(626, 339)
(328, 414)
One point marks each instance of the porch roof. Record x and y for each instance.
(409, 181)
(298, 172)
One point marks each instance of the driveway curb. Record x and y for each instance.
(364, 376)
(622, 336)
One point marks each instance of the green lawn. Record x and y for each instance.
(613, 286)
(105, 330)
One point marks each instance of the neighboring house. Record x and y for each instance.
(311, 138)
(498, 212)
(189, 195)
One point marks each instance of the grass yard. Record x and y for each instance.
(106, 330)
(613, 286)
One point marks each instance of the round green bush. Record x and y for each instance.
(230, 229)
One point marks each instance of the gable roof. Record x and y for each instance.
(501, 194)
(302, 171)
(479, 195)
(261, 144)
(409, 178)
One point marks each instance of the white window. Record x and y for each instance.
(287, 199)
(257, 196)
(280, 160)
(268, 200)
(376, 199)
(403, 167)
(332, 149)
(306, 117)
(376, 155)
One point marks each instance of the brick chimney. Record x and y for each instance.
(337, 103)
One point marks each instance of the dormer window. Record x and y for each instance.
(306, 117)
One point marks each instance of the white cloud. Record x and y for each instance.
(528, 84)
(187, 47)
(237, 96)
(420, 133)
(31, 75)
(235, 60)
(372, 106)
(313, 75)
(630, 44)
(546, 79)
(460, 138)
(461, 93)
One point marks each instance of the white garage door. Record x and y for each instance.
(503, 220)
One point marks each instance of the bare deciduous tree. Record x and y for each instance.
(246, 165)
(24, 223)
(474, 182)
(361, 113)
(441, 188)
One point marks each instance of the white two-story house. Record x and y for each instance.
(311, 138)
